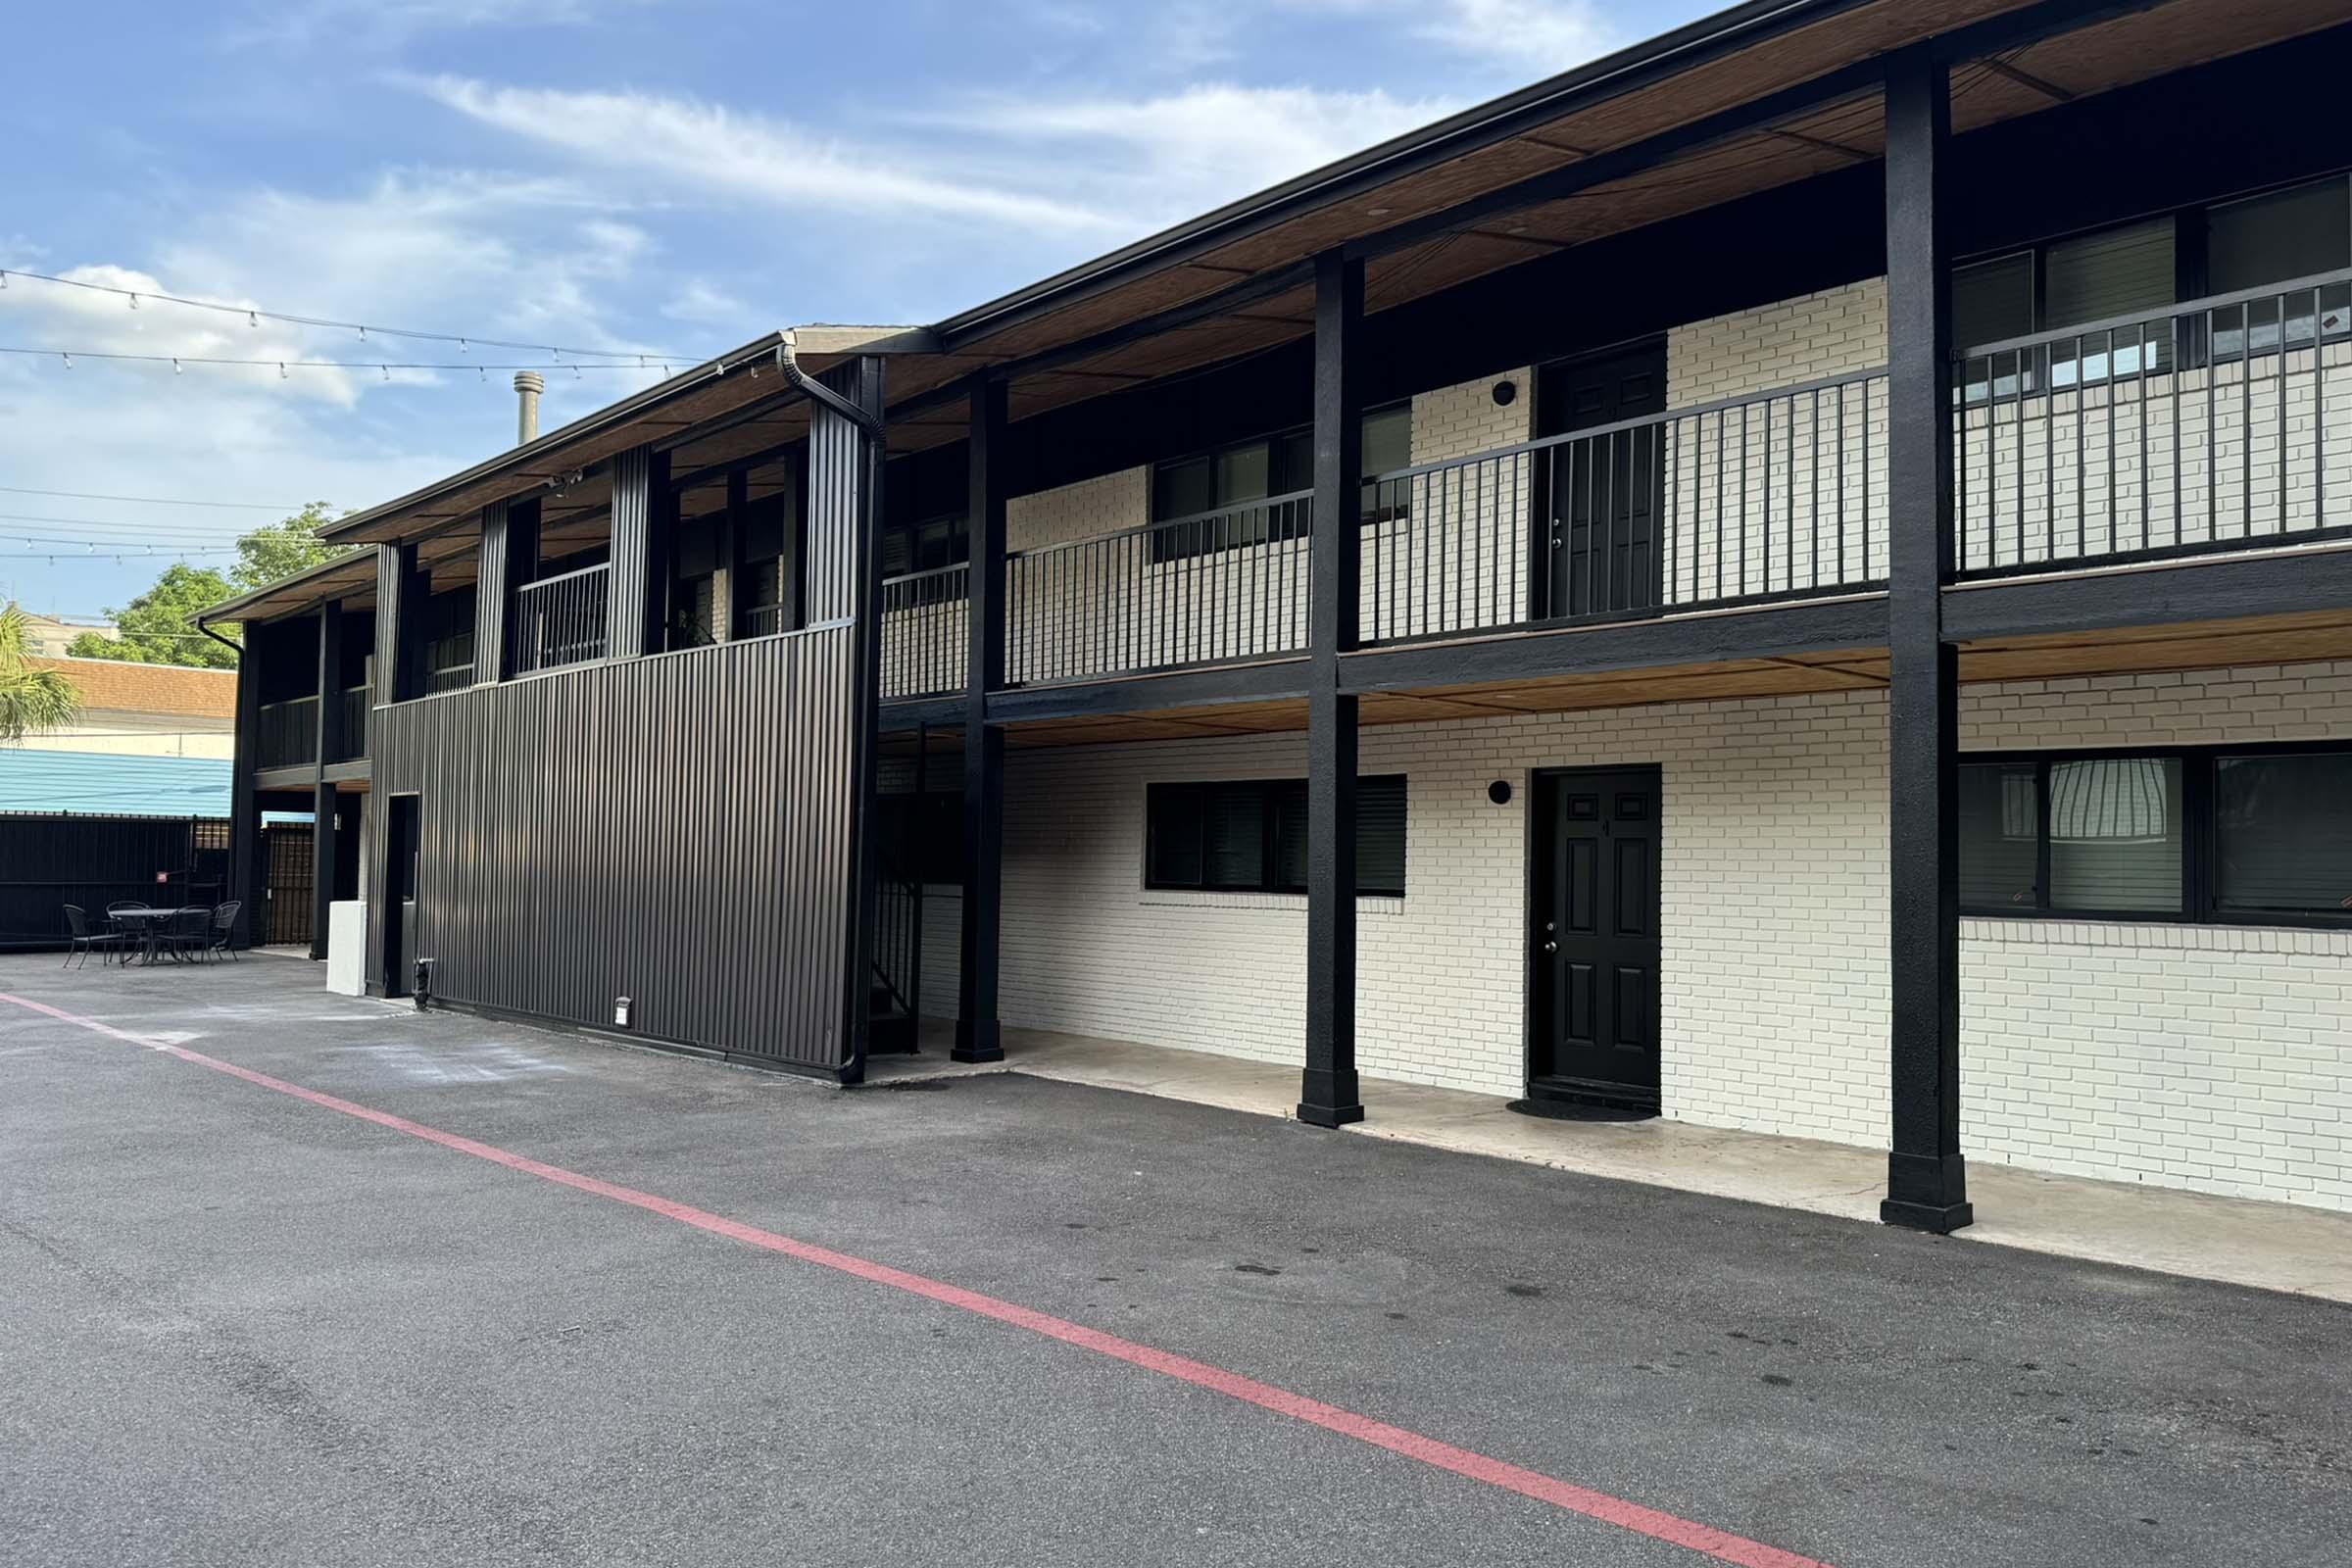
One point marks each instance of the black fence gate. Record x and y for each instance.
(50, 860)
(292, 868)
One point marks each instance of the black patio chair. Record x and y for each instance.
(183, 935)
(83, 940)
(224, 930)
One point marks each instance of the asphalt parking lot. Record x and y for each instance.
(563, 1302)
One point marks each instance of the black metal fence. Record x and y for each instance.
(288, 733)
(2206, 425)
(356, 702)
(1762, 496)
(1212, 588)
(924, 631)
(559, 621)
(50, 860)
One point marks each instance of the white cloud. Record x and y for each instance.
(525, 258)
(1543, 37)
(687, 143)
(1198, 147)
(391, 22)
(700, 302)
(1529, 39)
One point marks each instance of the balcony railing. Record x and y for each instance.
(924, 631)
(559, 621)
(1213, 588)
(763, 620)
(288, 734)
(1774, 495)
(2209, 426)
(354, 702)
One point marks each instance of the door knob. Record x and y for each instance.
(1551, 947)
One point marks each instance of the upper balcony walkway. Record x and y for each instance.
(2215, 426)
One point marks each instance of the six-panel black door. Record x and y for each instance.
(1594, 936)
(1601, 493)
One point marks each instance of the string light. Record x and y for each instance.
(144, 500)
(254, 314)
(180, 361)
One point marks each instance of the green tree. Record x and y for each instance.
(282, 548)
(158, 628)
(30, 699)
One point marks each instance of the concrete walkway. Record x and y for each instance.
(2276, 1247)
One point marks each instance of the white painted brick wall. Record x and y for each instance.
(1781, 344)
(2212, 1059)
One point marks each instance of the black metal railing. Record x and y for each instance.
(288, 733)
(898, 939)
(1776, 494)
(763, 620)
(2204, 425)
(925, 631)
(1216, 587)
(559, 621)
(354, 700)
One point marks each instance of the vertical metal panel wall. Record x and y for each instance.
(680, 829)
(493, 579)
(667, 830)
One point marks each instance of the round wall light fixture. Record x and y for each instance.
(1499, 792)
(1506, 393)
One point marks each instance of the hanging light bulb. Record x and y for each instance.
(363, 335)
(134, 302)
(252, 320)
(281, 370)
(387, 370)
(461, 348)
(69, 361)
(176, 367)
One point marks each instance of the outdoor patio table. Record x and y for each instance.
(148, 925)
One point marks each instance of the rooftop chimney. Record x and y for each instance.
(528, 384)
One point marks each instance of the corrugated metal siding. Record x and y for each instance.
(491, 591)
(629, 583)
(836, 459)
(391, 584)
(675, 829)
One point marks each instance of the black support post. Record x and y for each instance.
(979, 1035)
(637, 584)
(244, 812)
(399, 602)
(1328, 1093)
(493, 586)
(1927, 1181)
(330, 749)
(727, 582)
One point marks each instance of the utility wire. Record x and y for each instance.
(643, 362)
(148, 500)
(255, 317)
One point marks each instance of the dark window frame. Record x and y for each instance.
(2200, 835)
(2191, 275)
(1282, 522)
(1270, 792)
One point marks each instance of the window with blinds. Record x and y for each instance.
(2203, 834)
(1249, 836)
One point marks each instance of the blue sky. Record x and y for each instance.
(669, 177)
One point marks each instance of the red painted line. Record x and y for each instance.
(1720, 1545)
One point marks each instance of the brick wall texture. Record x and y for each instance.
(2212, 1059)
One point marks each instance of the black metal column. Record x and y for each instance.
(1927, 1181)
(637, 601)
(399, 600)
(727, 582)
(979, 1035)
(493, 586)
(866, 386)
(330, 749)
(244, 813)
(1328, 1092)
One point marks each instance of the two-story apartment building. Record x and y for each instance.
(1796, 578)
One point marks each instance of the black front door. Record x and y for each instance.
(1595, 936)
(1601, 493)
